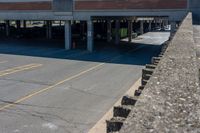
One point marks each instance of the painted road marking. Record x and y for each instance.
(50, 87)
(10, 69)
(61, 82)
(100, 126)
(18, 69)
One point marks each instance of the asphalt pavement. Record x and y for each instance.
(50, 90)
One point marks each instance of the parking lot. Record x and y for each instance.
(46, 89)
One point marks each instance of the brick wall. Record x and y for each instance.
(25, 5)
(130, 4)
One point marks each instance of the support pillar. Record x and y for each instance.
(173, 27)
(142, 27)
(130, 26)
(68, 35)
(109, 29)
(60, 23)
(117, 32)
(49, 29)
(163, 24)
(7, 28)
(150, 27)
(18, 24)
(82, 29)
(156, 23)
(160, 24)
(24, 24)
(90, 35)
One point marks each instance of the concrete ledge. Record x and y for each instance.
(170, 102)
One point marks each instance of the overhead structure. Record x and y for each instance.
(86, 10)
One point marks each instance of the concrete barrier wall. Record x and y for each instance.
(170, 102)
(129, 4)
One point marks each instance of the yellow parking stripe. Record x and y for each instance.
(18, 69)
(50, 87)
(14, 68)
(59, 83)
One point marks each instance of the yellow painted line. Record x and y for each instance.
(58, 83)
(18, 69)
(15, 68)
(3, 62)
(100, 126)
(50, 87)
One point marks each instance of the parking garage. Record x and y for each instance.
(83, 24)
(65, 63)
(77, 35)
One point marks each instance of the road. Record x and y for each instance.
(50, 90)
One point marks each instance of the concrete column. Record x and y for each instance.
(7, 28)
(90, 35)
(109, 29)
(130, 26)
(163, 24)
(68, 35)
(82, 29)
(156, 23)
(49, 29)
(24, 24)
(150, 28)
(142, 27)
(60, 23)
(167, 22)
(117, 33)
(173, 28)
(18, 24)
(160, 23)
(102, 24)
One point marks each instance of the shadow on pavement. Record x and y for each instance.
(132, 54)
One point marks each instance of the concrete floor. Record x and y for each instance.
(50, 90)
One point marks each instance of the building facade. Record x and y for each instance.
(88, 10)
